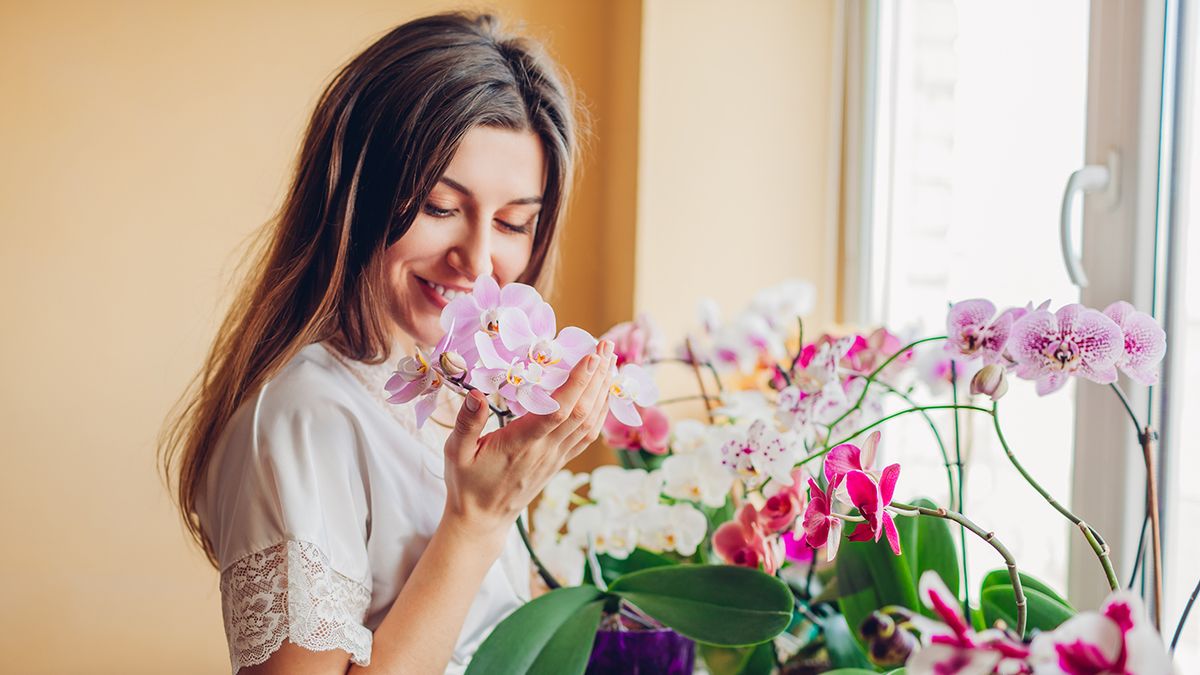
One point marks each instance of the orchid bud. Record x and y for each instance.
(888, 643)
(453, 364)
(990, 381)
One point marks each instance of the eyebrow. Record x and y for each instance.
(459, 187)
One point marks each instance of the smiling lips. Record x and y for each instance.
(443, 293)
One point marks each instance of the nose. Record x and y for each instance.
(471, 255)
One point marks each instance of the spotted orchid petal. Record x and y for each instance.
(1073, 341)
(1145, 342)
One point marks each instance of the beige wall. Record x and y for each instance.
(143, 142)
(736, 144)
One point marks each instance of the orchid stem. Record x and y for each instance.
(683, 399)
(708, 406)
(874, 374)
(1128, 408)
(937, 437)
(1147, 439)
(799, 346)
(1093, 537)
(544, 573)
(822, 451)
(1184, 617)
(962, 504)
(991, 540)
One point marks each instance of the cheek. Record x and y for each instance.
(510, 256)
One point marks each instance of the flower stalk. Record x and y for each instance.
(1099, 547)
(990, 539)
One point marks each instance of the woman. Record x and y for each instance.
(344, 535)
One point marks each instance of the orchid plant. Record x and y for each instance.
(784, 472)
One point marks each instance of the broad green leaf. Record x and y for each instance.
(1044, 612)
(612, 568)
(928, 544)
(844, 649)
(871, 577)
(1000, 577)
(568, 650)
(517, 643)
(718, 604)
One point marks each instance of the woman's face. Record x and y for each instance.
(479, 219)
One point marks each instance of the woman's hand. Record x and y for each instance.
(490, 480)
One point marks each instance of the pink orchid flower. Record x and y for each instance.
(479, 312)
(1074, 340)
(632, 387)
(972, 331)
(1145, 342)
(418, 375)
(872, 498)
(652, 436)
(530, 335)
(1118, 639)
(795, 548)
(525, 385)
(848, 457)
(822, 527)
(742, 542)
(634, 341)
(952, 648)
(784, 504)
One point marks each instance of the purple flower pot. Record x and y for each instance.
(650, 652)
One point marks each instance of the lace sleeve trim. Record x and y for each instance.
(290, 591)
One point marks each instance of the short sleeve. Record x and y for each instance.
(287, 513)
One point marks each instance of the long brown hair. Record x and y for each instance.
(382, 134)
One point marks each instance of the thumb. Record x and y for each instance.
(472, 416)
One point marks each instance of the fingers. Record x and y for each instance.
(588, 432)
(582, 413)
(472, 415)
(568, 394)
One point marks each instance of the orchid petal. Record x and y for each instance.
(889, 531)
(486, 291)
(553, 378)
(835, 539)
(842, 460)
(536, 400)
(520, 296)
(424, 408)
(541, 320)
(487, 351)
(515, 332)
(887, 483)
(575, 343)
(624, 411)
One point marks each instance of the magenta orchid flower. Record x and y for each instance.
(632, 387)
(743, 542)
(952, 648)
(974, 330)
(1074, 340)
(418, 375)
(652, 436)
(784, 504)
(1144, 341)
(1118, 639)
(822, 527)
(848, 457)
(759, 454)
(872, 498)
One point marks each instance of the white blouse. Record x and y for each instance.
(319, 501)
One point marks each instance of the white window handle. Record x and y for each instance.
(1091, 178)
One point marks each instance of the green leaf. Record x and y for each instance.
(844, 649)
(871, 577)
(718, 604)
(1000, 577)
(928, 544)
(569, 648)
(1044, 612)
(613, 568)
(544, 635)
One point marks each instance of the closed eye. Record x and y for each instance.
(517, 229)
(439, 213)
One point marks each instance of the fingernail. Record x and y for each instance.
(592, 361)
(472, 402)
